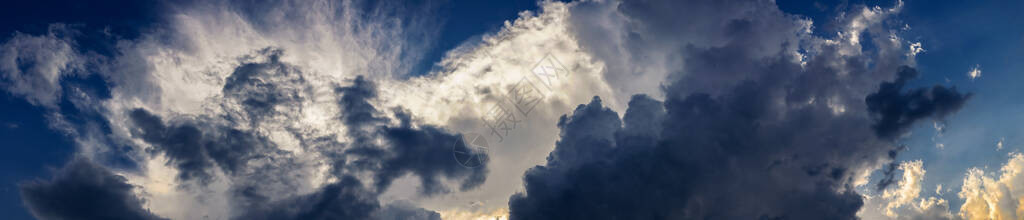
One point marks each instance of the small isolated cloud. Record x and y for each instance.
(940, 127)
(916, 48)
(975, 72)
(999, 145)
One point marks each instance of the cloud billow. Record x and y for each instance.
(745, 131)
(712, 160)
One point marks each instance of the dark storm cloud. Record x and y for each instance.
(896, 110)
(195, 150)
(197, 145)
(346, 199)
(424, 151)
(709, 164)
(260, 87)
(355, 101)
(83, 190)
(745, 131)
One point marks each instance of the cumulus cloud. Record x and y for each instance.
(904, 200)
(302, 110)
(748, 132)
(908, 188)
(985, 196)
(994, 197)
(916, 48)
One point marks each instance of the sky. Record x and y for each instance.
(462, 109)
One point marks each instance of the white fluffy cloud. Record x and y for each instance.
(477, 77)
(974, 73)
(904, 201)
(994, 197)
(986, 196)
(908, 188)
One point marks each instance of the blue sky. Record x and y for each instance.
(956, 36)
(31, 148)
